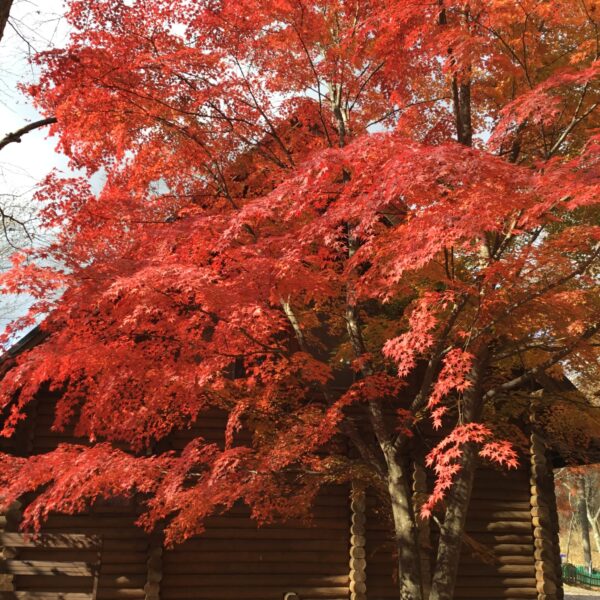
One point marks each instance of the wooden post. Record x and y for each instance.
(544, 520)
(154, 567)
(358, 562)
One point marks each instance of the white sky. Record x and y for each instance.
(34, 25)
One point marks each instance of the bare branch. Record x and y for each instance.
(15, 136)
(531, 373)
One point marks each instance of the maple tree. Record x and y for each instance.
(331, 219)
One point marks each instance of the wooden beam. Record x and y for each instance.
(358, 563)
(544, 521)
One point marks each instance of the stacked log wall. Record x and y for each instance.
(345, 553)
(102, 555)
(235, 559)
(497, 558)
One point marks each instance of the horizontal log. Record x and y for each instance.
(544, 543)
(121, 581)
(481, 513)
(358, 587)
(497, 582)
(259, 556)
(358, 576)
(338, 508)
(245, 593)
(481, 592)
(262, 534)
(124, 545)
(546, 587)
(486, 538)
(108, 533)
(224, 569)
(478, 593)
(513, 495)
(467, 564)
(260, 580)
(357, 564)
(523, 559)
(116, 594)
(202, 544)
(480, 521)
(505, 504)
(124, 568)
(47, 540)
(466, 570)
(543, 522)
(540, 511)
(510, 549)
(54, 582)
(544, 554)
(539, 501)
(78, 584)
(45, 567)
(30, 595)
(508, 526)
(96, 521)
(241, 522)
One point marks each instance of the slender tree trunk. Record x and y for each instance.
(452, 529)
(461, 93)
(457, 504)
(596, 531)
(398, 483)
(585, 530)
(405, 533)
(570, 536)
(5, 6)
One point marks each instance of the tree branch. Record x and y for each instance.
(15, 136)
(531, 373)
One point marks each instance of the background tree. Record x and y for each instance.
(24, 26)
(578, 498)
(257, 248)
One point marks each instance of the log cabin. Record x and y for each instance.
(510, 548)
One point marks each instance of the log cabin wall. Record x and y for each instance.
(511, 542)
(102, 555)
(347, 553)
(235, 559)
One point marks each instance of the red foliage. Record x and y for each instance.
(257, 248)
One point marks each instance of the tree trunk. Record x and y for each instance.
(5, 6)
(452, 529)
(569, 537)
(585, 531)
(405, 533)
(457, 504)
(461, 93)
(595, 529)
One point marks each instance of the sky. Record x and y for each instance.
(34, 25)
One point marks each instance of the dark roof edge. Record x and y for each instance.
(30, 339)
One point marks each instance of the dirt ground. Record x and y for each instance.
(576, 558)
(573, 593)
